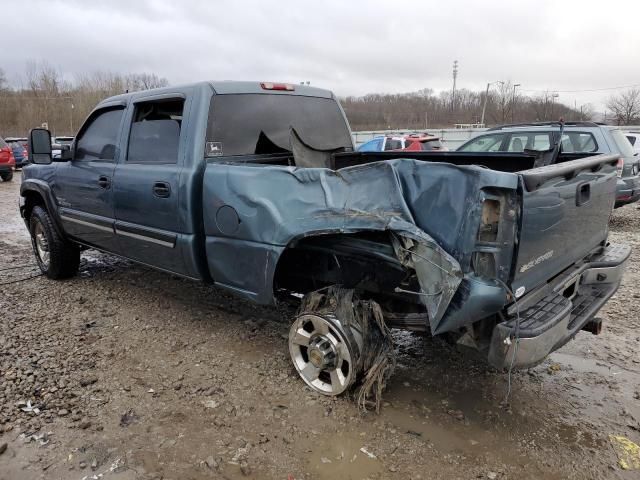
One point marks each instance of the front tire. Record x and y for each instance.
(7, 176)
(57, 258)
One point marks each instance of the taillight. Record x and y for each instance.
(620, 167)
(277, 86)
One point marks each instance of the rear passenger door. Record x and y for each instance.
(149, 219)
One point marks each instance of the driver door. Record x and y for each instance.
(83, 185)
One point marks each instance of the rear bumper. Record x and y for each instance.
(555, 319)
(6, 167)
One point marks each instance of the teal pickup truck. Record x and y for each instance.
(256, 187)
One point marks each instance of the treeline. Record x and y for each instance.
(424, 109)
(44, 96)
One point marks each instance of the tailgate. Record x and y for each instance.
(565, 215)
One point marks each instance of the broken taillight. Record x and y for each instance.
(277, 86)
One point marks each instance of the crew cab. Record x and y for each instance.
(256, 188)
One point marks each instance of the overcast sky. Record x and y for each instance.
(350, 47)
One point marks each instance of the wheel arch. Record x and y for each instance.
(321, 258)
(34, 192)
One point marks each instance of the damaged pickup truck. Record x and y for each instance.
(255, 187)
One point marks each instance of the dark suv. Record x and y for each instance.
(579, 137)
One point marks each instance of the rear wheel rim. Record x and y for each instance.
(321, 354)
(41, 245)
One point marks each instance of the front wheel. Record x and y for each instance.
(7, 176)
(57, 258)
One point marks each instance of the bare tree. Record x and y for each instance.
(3, 81)
(626, 106)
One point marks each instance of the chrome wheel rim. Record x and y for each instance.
(321, 354)
(41, 245)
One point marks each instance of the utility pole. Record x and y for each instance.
(554, 95)
(453, 92)
(486, 96)
(484, 106)
(513, 100)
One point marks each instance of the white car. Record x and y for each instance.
(634, 140)
(56, 145)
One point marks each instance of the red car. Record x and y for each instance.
(424, 142)
(7, 161)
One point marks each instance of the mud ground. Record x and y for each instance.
(136, 374)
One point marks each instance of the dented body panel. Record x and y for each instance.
(435, 206)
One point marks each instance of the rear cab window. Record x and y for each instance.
(260, 124)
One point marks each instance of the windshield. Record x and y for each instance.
(625, 148)
(250, 124)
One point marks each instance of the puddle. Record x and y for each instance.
(344, 456)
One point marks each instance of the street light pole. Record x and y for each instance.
(513, 100)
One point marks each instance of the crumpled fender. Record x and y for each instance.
(277, 205)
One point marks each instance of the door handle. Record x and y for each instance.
(583, 193)
(162, 189)
(104, 182)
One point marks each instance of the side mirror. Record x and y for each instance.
(40, 146)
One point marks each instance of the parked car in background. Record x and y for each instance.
(7, 161)
(57, 144)
(578, 137)
(19, 147)
(634, 140)
(415, 142)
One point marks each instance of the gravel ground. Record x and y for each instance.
(128, 373)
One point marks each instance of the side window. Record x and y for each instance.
(632, 139)
(97, 141)
(541, 141)
(393, 144)
(517, 143)
(485, 143)
(578, 142)
(155, 131)
(371, 146)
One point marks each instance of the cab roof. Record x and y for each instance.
(224, 87)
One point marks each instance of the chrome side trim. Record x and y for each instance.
(145, 238)
(86, 224)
